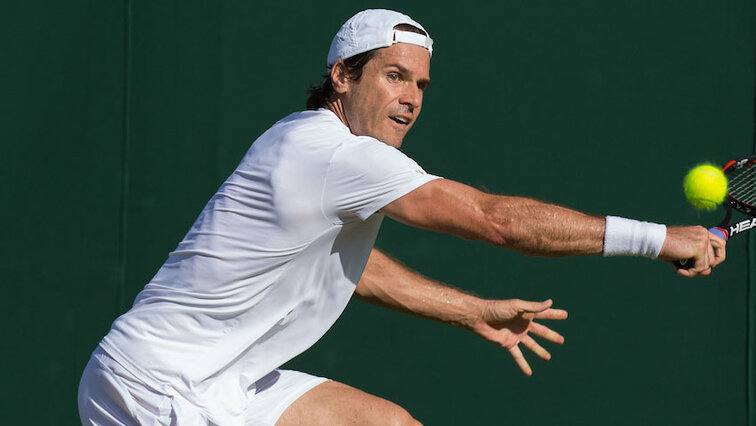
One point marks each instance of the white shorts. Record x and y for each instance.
(110, 395)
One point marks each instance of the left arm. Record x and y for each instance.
(507, 323)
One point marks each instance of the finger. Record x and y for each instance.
(544, 332)
(532, 307)
(720, 255)
(702, 264)
(716, 241)
(534, 347)
(710, 255)
(690, 273)
(718, 246)
(552, 314)
(520, 360)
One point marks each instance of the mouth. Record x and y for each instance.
(401, 120)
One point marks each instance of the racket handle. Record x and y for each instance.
(719, 232)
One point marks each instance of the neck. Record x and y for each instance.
(337, 107)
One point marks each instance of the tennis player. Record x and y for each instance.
(280, 249)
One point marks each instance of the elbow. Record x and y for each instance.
(504, 230)
(497, 237)
(499, 242)
(515, 236)
(507, 237)
(497, 231)
(519, 224)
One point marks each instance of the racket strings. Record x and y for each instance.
(742, 185)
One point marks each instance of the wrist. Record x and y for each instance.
(628, 237)
(474, 314)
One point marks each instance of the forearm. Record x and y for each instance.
(536, 228)
(522, 224)
(390, 284)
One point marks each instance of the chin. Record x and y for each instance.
(396, 140)
(390, 136)
(395, 143)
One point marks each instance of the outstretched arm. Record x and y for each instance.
(506, 323)
(535, 228)
(522, 224)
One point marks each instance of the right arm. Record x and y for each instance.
(533, 227)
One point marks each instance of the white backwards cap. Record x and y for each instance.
(371, 29)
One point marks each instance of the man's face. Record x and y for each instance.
(386, 100)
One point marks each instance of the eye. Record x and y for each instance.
(393, 76)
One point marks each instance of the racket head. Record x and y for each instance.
(741, 185)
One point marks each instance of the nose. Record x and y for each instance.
(412, 97)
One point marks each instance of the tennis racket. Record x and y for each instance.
(741, 197)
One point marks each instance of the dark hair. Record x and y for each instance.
(323, 94)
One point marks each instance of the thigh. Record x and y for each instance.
(333, 403)
(102, 400)
(274, 393)
(109, 395)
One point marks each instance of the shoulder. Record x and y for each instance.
(322, 130)
(370, 151)
(301, 136)
(318, 123)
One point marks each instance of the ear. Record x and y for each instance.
(339, 77)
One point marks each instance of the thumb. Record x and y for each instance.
(528, 308)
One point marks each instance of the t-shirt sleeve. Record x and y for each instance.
(365, 175)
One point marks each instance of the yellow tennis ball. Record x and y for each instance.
(705, 186)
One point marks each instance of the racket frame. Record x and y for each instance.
(732, 203)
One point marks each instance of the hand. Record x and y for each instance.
(694, 243)
(508, 322)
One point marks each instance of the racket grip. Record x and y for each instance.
(719, 232)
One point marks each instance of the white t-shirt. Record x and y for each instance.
(268, 266)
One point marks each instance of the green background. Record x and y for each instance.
(120, 119)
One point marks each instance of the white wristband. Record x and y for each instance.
(627, 237)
